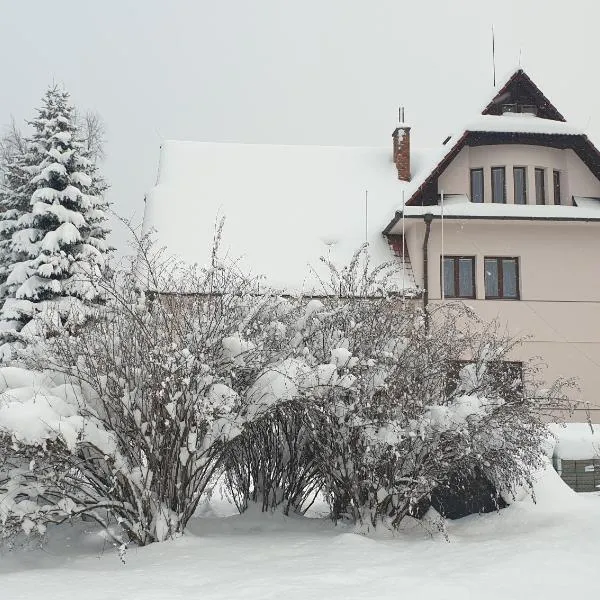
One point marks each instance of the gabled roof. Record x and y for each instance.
(520, 89)
(287, 206)
(424, 188)
(548, 129)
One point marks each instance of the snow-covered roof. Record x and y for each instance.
(288, 206)
(284, 206)
(459, 206)
(508, 123)
(520, 123)
(518, 76)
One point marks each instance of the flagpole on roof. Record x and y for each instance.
(494, 54)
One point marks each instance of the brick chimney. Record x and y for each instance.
(401, 148)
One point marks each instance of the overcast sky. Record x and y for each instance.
(277, 71)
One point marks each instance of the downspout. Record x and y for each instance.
(428, 218)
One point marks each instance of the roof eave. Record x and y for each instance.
(493, 218)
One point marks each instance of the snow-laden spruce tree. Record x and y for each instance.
(16, 189)
(57, 245)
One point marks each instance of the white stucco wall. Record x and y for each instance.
(559, 264)
(576, 178)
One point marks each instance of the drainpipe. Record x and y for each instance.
(428, 218)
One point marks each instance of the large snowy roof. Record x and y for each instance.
(284, 206)
(287, 206)
(520, 123)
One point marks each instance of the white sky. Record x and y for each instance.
(282, 71)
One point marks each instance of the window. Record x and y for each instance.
(556, 182)
(540, 186)
(476, 185)
(520, 179)
(458, 276)
(529, 109)
(501, 278)
(501, 377)
(498, 185)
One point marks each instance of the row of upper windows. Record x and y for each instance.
(501, 277)
(498, 179)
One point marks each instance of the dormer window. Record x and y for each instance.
(528, 109)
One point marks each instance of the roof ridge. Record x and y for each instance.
(269, 144)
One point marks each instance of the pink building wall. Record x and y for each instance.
(559, 309)
(576, 178)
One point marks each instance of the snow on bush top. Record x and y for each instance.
(576, 441)
(35, 409)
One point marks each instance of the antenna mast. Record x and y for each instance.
(494, 54)
(366, 216)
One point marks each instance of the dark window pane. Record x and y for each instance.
(498, 185)
(509, 278)
(491, 278)
(529, 109)
(556, 179)
(449, 291)
(465, 277)
(520, 177)
(540, 186)
(476, 185)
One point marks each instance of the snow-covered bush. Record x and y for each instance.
(413, 417)
(156, 393)
(131, 414)
(152, 390)
(272, 464)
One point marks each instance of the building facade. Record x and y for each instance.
(514, 231)
(504, 216)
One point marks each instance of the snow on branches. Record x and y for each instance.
(53, 228)
(128, 418)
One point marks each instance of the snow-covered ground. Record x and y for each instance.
(547, 550)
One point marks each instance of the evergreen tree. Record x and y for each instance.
(57, 248)
(16, 188)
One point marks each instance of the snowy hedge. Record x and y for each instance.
(129, 418)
